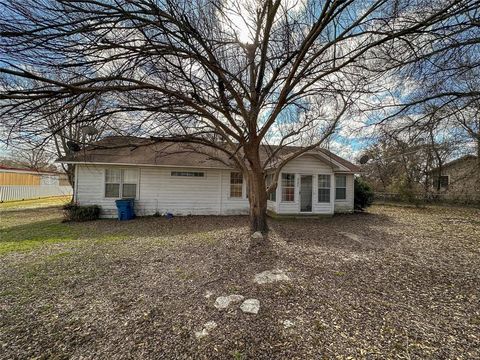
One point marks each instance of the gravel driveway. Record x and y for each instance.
(396, 282)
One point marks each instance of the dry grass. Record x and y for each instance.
(34, 203)
(392, 283)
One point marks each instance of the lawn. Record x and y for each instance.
(396, 282)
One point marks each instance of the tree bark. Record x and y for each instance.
(257, 197)
(257, 193)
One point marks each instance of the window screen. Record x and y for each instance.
(288, 187)
(121, 183)
(236, 184)
(324, 188)
(340, 187)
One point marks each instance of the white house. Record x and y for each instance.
(186, 179)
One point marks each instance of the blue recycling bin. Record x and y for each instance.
(125, 209)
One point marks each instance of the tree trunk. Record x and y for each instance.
(477, 187)
(257, 194)
(257, 197)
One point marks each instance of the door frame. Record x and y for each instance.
(300, 194)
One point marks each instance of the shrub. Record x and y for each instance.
(363, 197)
(74, 212)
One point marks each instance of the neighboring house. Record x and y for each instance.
(22, 184)
(190, 179)
(457, 179)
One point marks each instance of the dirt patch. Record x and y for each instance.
(137, 289)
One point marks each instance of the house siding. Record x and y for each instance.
(342, 206)
(307, 165)
(158, 191)
(462, 178)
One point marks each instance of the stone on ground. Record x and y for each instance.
(250, 306)
(210, 325)
(208, 294)
(257, 235)
(201, 334)
(222, 302)
(270, 276)
(207, 327)
(288, 324)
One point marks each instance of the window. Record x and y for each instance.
(323, 188)
(236, 184)
(113, 179)
(272, 196)
(340, 187)
(121, 183)
(440, 180)
(288, 187)
(187, 173)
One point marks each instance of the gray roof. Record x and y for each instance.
(129, 150)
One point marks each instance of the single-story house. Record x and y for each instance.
(190, 179)
(457, 179)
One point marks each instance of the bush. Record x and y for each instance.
(363, 197)
(74, 212)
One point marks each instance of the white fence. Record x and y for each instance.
(24, 192)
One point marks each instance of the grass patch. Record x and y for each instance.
(105, 239)
(35, 203)
(30, 236)
(59, 256)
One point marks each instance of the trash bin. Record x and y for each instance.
(125, 209)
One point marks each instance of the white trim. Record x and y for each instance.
(294, 188)
(300, 194)
(244, 187)
(343, 168)
(120, 188)
(330, 188)
(75, 190)
(346, 187)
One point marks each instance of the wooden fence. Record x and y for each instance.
(24, 192)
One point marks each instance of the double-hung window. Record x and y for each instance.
(323, 188)
(340, 187)
(288, 187)
(121, 183)
(236, 184)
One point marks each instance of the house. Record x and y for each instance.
(457, 179)
(21, 184)
(191, 179)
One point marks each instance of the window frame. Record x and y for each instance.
(340, 187)
(437, 181)
(329, 176)
(241, 197)
(182, 174)
(283, 187)
(121, 183)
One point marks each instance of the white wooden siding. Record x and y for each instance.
(347, 204)
(158, 191)
(306, 165)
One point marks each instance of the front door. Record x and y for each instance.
(306, 193)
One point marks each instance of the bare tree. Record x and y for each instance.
(234, 76)
(29, 158)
